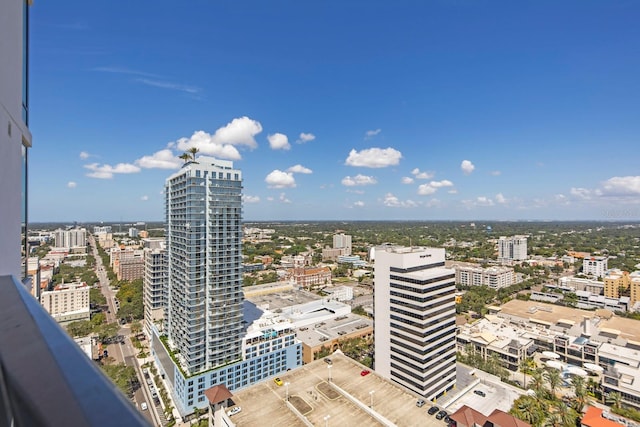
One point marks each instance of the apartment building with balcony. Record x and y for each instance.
(71, 238)
(154, 288)
(595, 266)
(511, 249)
(493, 277)
(210, 334)
(67, 302)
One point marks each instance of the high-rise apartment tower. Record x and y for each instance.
(208, 337)
(204, 259)
(512, 248)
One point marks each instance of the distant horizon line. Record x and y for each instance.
(366, 220)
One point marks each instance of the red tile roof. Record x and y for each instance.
(217, 394)
(469, 417)
(593, 418)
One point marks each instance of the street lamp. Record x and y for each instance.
(329, 367)
(287, 391)
(371, 394)
(326, 420)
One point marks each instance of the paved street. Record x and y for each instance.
(125, 353)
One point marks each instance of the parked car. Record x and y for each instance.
(278, 381)
(433, 410)
(328, 361)
(365, 372)
(234, 411)
(420, 403)
(143, 406)
(440, 415)
(480, 393)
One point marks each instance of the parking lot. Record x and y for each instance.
(310, 391)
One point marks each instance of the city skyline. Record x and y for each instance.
(359, 111)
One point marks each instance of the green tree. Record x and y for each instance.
(554, 379)
(615, 399)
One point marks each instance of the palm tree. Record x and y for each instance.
(528, 409)
(553, 379)
(580, 390)
(615, 399)
(193, 151)
(565, 415)
(537, 384)
(185, 156)
(526, 366)
(592, 385)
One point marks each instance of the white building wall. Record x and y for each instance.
(596, 266)
(512, 248)
(414, 324)
(342, 241)
(13, 134)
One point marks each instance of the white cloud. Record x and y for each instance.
(440, 184)
(358, 204)
(163, 84)
(144, 198)
(484, 201)
(84, 155)
(495, 173)
(501, 199)
(581, 193)
(107, 171)
(407, 180)
(422, 175)
(305, 137)
(238, 132)
(374, 158)
(467, 167)
(433, 186)
(124, 70)
(250, 199)
(71, 184)
(163, 159)
(478, 201)
(371, 133)
(358, 180)
(393, 202)
(299, 169)
(453, 191)
(426, 189)
(280, 179)
(621, 186)
(283, 198)
(279, 141)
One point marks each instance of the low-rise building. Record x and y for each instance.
(493, 277)
(68, 302)
(308, 277)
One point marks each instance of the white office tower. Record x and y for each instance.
(512, 248)
(204, 256)
(155, 287)
(414, 326)
(342, 241)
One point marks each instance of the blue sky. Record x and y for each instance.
(345, 110)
